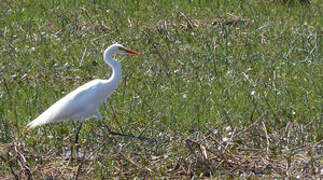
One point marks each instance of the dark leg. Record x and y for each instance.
(116, 133)
(76, 142)
(125, 135)
(78, 132)
(77, 138)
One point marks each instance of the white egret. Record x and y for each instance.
(83, 102)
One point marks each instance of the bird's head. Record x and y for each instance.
(118, 49)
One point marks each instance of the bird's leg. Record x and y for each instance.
(117, 133)
(77, 138)
(78, 132)
(98, 114)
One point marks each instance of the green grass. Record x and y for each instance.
(192, 77)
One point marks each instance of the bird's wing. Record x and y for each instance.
(80, 103)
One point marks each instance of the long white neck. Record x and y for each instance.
(115, 78)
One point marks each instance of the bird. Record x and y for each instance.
(84, 101)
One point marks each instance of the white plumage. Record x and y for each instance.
(83, 102)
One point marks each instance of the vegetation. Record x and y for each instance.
(223, 89)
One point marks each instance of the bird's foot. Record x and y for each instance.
(140, 137)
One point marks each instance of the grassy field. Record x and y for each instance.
(223, 89)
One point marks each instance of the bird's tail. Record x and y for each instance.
(32, 125)
(37, 122)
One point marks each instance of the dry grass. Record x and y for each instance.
(231, 152)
